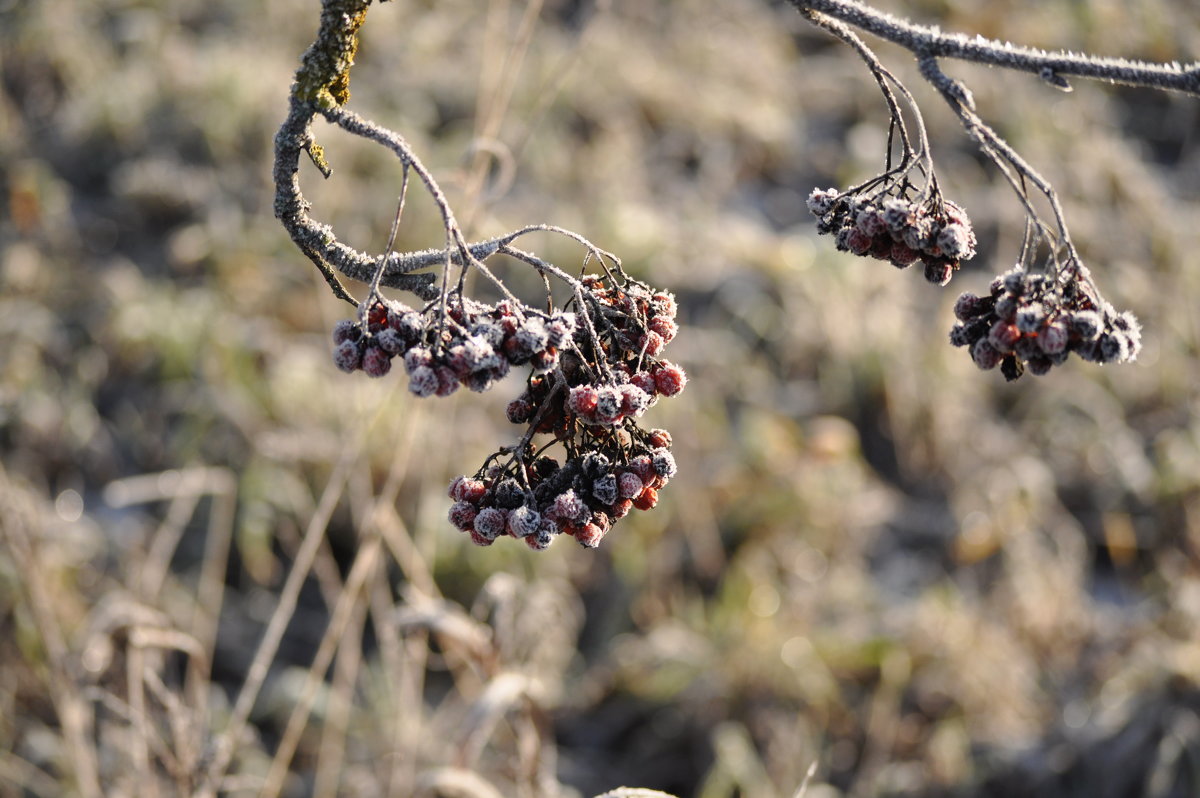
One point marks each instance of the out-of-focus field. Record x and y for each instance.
(875, 557)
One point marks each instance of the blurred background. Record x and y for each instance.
(875, 558)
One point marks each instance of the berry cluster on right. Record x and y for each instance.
(1034, 322)
(901, 231)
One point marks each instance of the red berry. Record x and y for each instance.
(481, 540)
(659, 439)
(651, 343)
(462, 515)
(589, 535)
(646, 499)
(582, 400)
(629, 485)
(665, 327)
(670, 379)
(620, 508)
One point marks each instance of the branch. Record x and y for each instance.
(1052, 67)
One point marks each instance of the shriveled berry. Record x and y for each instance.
(664, 326)
(447, 381)
(479, 539)
(903, 255)
(1086, 324)
(938, 271)
(520, 410)
(968, 306)
(651, 343)
(1030, 317)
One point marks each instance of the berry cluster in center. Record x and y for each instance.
(901, 231)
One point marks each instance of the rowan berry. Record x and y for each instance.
(985, 355)
(423, 381)
(417, 357)
(346, 330)
(629, 484)
(570, 508)
(347, 356)
(1003, 336)
(582, 400)
(524, 521)
(663, 463)
(490, 522)
(462, 515)
(376, 362)
(604, 489)
(647, 499)
(669, 378)
(938, 271)
(589, 535)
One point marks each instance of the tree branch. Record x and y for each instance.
(1052, 67)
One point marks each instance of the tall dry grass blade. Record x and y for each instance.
(267, 648)
(331, 754)
(502, 693)
(454, 783)
(20, 530)
(348, 610)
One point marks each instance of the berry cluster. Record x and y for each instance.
(934, 231)
(1034, 322)
(594, 369)
(470, 344)
(582, 497)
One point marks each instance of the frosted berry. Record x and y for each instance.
(462, 515)
(589, 535)
(423, 381)
(604, 489)
(490, 522)
(659, 439)
(417, 357)
(346, 330)
(670, 379)
(629, 485)
(985, 355)
(524, 521)
(569, 508)
(376, 362)
(347, 356)
(663, 463)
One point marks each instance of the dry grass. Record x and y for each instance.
(225, 567)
